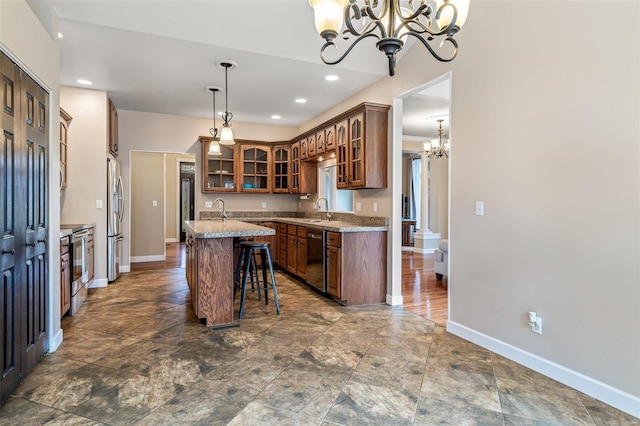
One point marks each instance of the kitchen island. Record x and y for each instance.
(210, 261)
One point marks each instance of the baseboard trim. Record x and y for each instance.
(125, 268)
(424, 251)
(394, 300)
(594, 388)
(171, 240)
(142, 259)
(56, 341)
(100, 282)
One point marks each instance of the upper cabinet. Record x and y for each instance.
(65, 120)
(282, 169)
(218, 172)
(255, 163)
(359, 139)
(113, 129)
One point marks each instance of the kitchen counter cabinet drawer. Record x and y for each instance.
(334, 239)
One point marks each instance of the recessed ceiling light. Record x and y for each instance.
(60, 35)
(85, 82)
(276, 117)
(301, 100)
(331, 77)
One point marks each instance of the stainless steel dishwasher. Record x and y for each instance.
(315, 259)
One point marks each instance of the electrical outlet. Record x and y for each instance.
(375, 207)
(264, 204)
(154, 203)
(536, 327)
(98, 204)
(208, 204)
(358, 206)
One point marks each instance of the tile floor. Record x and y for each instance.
(135, 354)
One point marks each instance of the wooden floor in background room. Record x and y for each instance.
(422, 293)
(175, 258)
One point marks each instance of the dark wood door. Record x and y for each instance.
(23, 194)
(292, 253)
(10, 294)
(301, 267)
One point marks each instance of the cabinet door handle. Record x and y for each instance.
(11, 252)
(42, 241)
(31, 245)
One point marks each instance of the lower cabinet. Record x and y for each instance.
(334, 257)
(65, 277)
(297, 250)
(282, 245)
(357, 267)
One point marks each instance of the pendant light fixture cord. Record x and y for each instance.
(214, 130)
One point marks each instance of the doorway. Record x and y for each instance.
(425, 190)
(187, 196)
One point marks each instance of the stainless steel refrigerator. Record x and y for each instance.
(115, 212)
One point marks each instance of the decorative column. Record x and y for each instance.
(425, 241)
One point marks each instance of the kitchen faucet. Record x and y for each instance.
(224, 212)
(317, 206)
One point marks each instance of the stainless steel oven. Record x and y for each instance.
(82, 270)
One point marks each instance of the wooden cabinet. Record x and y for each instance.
(357, 267)
(330, 138)
(295, 167)
(282, 245)
(297, 250)
(113, 129)
(255, 161)
(218, 172)
(320, 142)
(65, 121)
(311, 146)
(304, 175)
(359, 137)
(304, 148)
(342, 154)
(334, 257)
(65, 277)
(282, 169)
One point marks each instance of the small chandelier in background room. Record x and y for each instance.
(391, 24)
(438, 147)
(214, 146)
(226, 135)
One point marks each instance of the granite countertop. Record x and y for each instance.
(226, 229)
(335, 226)
(67, 229)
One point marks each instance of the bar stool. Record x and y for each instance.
(247, 250)
(237, 283)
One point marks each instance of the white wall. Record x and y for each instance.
(27, 43)
(544, 130)
(87, 167)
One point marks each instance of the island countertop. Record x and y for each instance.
(226, 229)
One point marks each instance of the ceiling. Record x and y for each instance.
(159, 56)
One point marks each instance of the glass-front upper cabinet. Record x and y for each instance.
(254, 163)
(295, 167)
(281, 168)
(218, 171)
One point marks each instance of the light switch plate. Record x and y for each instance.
(98, 204)
(264, 204)
(358, 206)
(375, 207)
(479, 208)
(208, 204)
(155, 203)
